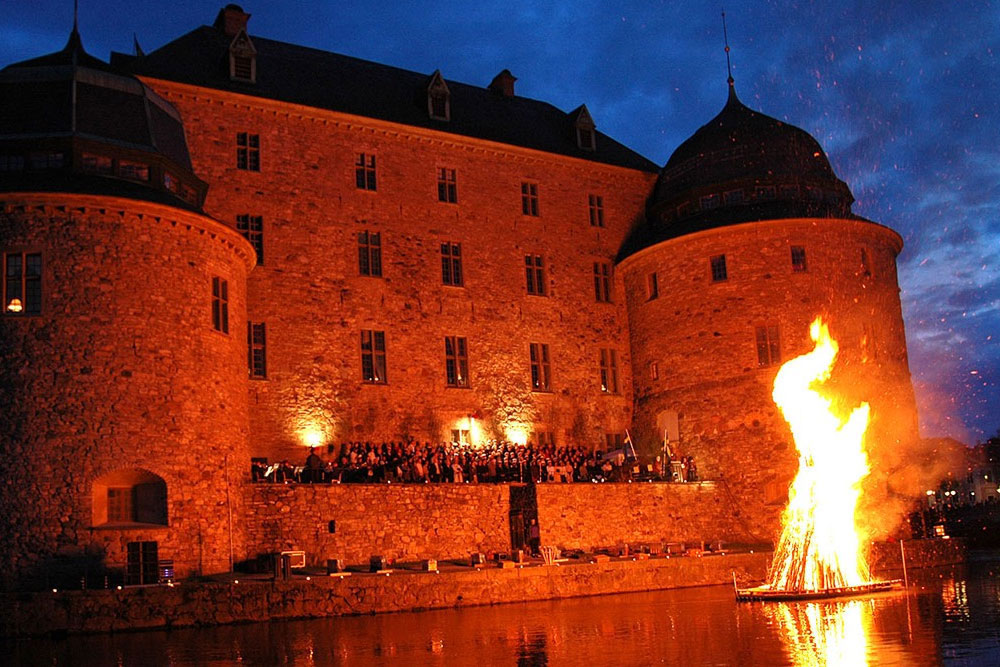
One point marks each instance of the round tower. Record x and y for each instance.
(748, 237)
(123, 434)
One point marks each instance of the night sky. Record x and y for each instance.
(902, 94)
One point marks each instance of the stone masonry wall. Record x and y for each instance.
(120, 374)
(700, 335)
(582, 516)
(399, 521)
(310, 295)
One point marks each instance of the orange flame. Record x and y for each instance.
(820, 546)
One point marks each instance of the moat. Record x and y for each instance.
(951, 616)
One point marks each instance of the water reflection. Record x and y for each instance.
(831, 633)
(950, 617)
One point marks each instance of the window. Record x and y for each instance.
(257, 350)
(46, 160)
(652, 287)
(541, 371)
(447, 191)
(129, 496)
(11, 163)
(220, 305)
(529, 198)
(135, 171)
(544, 439)
(733, 197)
(170, 182)
(97, 164)
(585, 138)
(768, 346)
(789, 191)
(252, 229)
(120, 505)
(614, 441)
(798, 258)
(866, 269)
(461, 436)
(22, 283)
(247, 151)
(596, 205)
(242, 67)
(709, 202)
(438, 98)
(370, 254)
(654, 370)
(364, 171)
(142, 563)
(609, 371)
(451, 264)
(719, 272)
(584, 124)
(242, 59)
(602, 282)
(534, 270)
(456, 361)
(766, 192)
(373, 356)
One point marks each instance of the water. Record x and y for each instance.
(952, 616)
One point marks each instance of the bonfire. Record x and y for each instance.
(819, 552)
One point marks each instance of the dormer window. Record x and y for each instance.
(438, 98)
(586, 135)
(242, 58)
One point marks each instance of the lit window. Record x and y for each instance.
(768, 346)
(451, 264)
(719, 271)
(370, 254)
(247, 151)
(529, 199)
(22, 283)
(97, 164)
(602, 282)
(596, 205)
(456, 361)
(252, 229)
(652, 287)
(534, 271)
(257, 350)
(798, 258)
(364, 172)
(373, 356)
(447, 191)
(135, 171)
(541, 371)
(609, 371)
(220, 304)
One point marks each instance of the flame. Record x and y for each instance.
(820, 545)
(825, 633)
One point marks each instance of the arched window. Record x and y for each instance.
(133, 496)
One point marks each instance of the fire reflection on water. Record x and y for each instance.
(826, 633)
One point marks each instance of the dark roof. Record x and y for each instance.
(740, 143)
(108, 106)
(742, 166)
(324, 80)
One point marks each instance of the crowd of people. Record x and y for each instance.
(493, 462)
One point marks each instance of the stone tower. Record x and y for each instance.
(749, 236)
(122, 349)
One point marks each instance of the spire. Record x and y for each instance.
(725, 36)
(76, 12)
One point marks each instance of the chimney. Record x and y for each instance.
(503, 83)
(231, 20)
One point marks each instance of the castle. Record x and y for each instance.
(233, 247)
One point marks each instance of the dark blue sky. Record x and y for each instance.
(902, 94)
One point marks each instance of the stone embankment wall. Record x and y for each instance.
(212, 604)
(402, 522)
(414, 522)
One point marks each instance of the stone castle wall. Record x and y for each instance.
(701, 337)
(409, 522)
(309, 292)
(121, 377)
